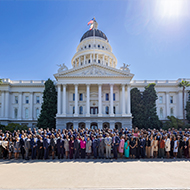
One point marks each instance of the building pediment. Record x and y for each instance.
(94, 70)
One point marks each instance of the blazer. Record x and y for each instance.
(108, 141)
(101, 143)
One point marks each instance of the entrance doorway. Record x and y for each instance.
(82, 125)
(93, 110)
(106, 125)
(118, 126)
(69, 125)
(94, 126)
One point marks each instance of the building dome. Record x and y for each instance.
(90, 33)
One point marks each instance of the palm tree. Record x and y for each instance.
(184, 84)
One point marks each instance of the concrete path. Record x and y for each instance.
(90, 174)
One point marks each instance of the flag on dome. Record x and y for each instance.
(91, 27)
(91, 21)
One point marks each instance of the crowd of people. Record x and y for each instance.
(97, 144)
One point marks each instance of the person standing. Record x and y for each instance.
(66, 146)
(33, 144)
(155, 145)
(116, 142)
(11, 147)
(180, 148)
(27, 147)
(53, 142)
(59, 146)
(76, 147)
(101, 146)
(17, 148)
(142, 147)
(151, 146)
(46, 147)
(176, 145)
(83, 147)
(88, 147)
(121, 146)
(108, 142)
(71, 147)
(22, 146)
(148, 144)
(95, 146)
(133, 145)
(126, 147)
(161, 147)
(185, 147)
(167, 146)
(40, 147)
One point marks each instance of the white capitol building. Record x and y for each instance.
(94, 93)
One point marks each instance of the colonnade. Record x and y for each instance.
(94, 58)
(62, 98)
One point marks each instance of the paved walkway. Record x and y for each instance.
(59, 174)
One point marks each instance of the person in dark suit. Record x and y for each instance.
(53, 142)
(33, 145)
(22, 146)
(46, 147)
(71, 147)
(185, 147)
(142, 146)
(76, 147)
(95, 146)
(116, 142)
(27, 146)
(59, 147)
(40, 148)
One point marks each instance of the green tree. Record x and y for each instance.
(1, 81)
(137, 108)
(151, 119)
(188, 109)
(183, 84)
(49, 106)
(172, 122)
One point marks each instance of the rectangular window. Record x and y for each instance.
(107, 96)
(73, 96)
(171, 111)
(114, 109)
(27, 99)
(171, 100)
(80, 97)
(113, 96)
(160, 99)
(73, 109)
(107, 110)
(16, 99)
(37, 99)
(161, 113)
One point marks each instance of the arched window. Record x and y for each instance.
(89, 61)
(37, 112)
(107, 110)
(171, 111)
(161, 113)
(26, 113)
(114, 109)
(15, 113)
(89, 46)
(80, 110)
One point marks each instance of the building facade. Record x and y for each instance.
(94, 93)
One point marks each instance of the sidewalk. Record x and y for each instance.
(59, 174)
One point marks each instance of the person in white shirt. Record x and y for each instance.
(167, 146)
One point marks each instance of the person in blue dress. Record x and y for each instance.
(126, 147)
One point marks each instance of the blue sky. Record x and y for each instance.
(153, 37)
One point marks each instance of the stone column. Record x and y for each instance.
(180, 105)
(59, 100)
(112, 63)
(88, 100)
(167, 104)
(64, 100)
(112, 125)
(97, 58)
(108, 61)
(20, 106)
(128, 100)
(84, 59)
(123, 100)
(75, 63)
(90, 58)
(99, 100)
(6, 104)
(75, 125)
(99, 125)
(76, 100)
(103, 60)
(31, 106)
(79, 62)
(111, 100)
(2, 104)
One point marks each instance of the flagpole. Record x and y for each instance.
(94, 41)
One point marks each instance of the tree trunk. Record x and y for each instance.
(183, 105)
